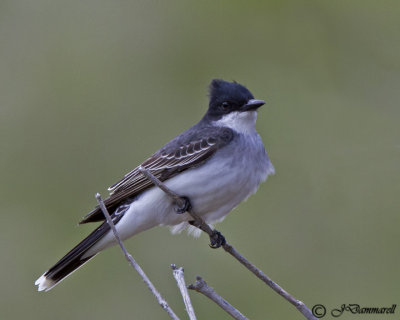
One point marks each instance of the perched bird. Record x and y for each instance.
(216, 164)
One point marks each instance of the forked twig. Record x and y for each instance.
(199, 222)
(202, 287)
(161, 301)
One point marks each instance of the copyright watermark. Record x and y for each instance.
(319, 310)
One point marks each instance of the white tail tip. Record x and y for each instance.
(44, 284)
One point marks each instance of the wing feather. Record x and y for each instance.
(163, 165)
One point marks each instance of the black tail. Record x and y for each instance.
(73, 259)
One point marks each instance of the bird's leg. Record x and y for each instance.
(183, 205)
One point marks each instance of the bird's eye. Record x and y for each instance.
(225, 105)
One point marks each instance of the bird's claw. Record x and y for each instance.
(184, 206)
(217, 240)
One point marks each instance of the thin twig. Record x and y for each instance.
(202, 287)
(161, 301)
(274, 286)
(199, 222)
(180, 280)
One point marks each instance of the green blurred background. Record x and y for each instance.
(88, 89)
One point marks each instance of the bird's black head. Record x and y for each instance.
(227, 97)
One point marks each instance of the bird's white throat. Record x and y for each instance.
(242, 122)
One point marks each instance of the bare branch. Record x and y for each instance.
(274, 286)
(180, 280)
(199, 222)
(161, 301)
(202, 287)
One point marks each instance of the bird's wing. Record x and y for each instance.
(164, 165)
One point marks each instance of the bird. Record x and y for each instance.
(216, 164)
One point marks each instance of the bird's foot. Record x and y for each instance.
(183, 206)
(217, 240)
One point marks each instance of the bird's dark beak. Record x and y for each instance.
(252, 105)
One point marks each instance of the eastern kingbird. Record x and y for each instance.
(217, 163)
